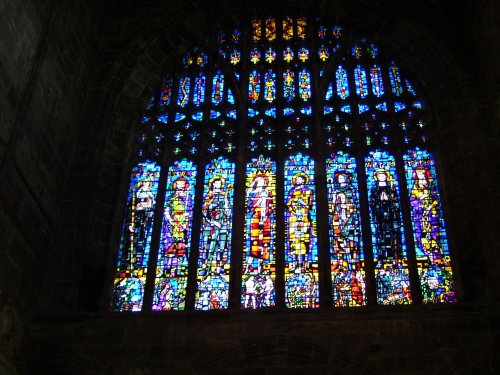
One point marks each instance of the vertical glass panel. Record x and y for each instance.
(395, 78)
(217, 88)
(254, 86)
(301, 252)
(303, 54)
(270, 86)
(235, 57)
(288, 54)
(288, 85)
(256, 29)
(346, 244)
(377, 83)
(329, 92)
(166, 93)
(215, 239)
(175, 241)
(323, 53)
(360, 81)
(301, 27)
(288, 28)
(259, 267)
(305, 85)
(271, 29)
(429, 232)
(183, 97)
(389, 248)
(199, 90)
(255, 56)
(342, 85)
(135, 243)
(270, 55)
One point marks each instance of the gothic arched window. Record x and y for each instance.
(286, 162)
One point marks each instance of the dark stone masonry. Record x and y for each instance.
(74, 79)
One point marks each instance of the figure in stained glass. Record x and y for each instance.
(141, 222)
(384, 202)
(216, 214)
(260, 209)
(178, 209)
(345, 217)
(425, 205)
(298, 219)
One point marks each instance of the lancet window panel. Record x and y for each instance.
(258, 141)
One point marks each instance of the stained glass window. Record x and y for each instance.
(429, 229)
(244, 179)
(386, 222)
(360, 81)
(346, 244)
(175, 239)
(135, 244)
(342, 85)
(301, 252)
(259, 264)
(214, 258)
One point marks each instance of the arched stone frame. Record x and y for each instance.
(129, 89)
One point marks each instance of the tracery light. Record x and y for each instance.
(260, 148)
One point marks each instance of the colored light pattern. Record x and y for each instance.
(337, 31)
(357, 51)
(409, 87)
(217, 88)
(199, 90)
(202, 59)
(163, 118)
(215, 239)
(254, 86)
(288, 54)
(381, 106)
(175, 241)
(386, 223)
(287, 28)
(395, 78)
(301, 252)
(288, 85)
(360, 81)
(270, 86)
(230, 96)
(235, 57)
(372, 50)
(270, 55)
(429, 229)
(346, 244)
(135, 243)
(399, 106)
(322, 32)
(271, 29)
(323, 53)
(304, 85)
(256, 29)
(363, 108)
(342, 85)
(259, 265)
(303, 54)
(301, 27)
(166, 93)
(329, 92)
(184, 86)
(187, 60)
(255, 56)
(376, 79)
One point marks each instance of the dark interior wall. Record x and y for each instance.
(46, 54)
(74, 78)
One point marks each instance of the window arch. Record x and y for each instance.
(285, 161)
